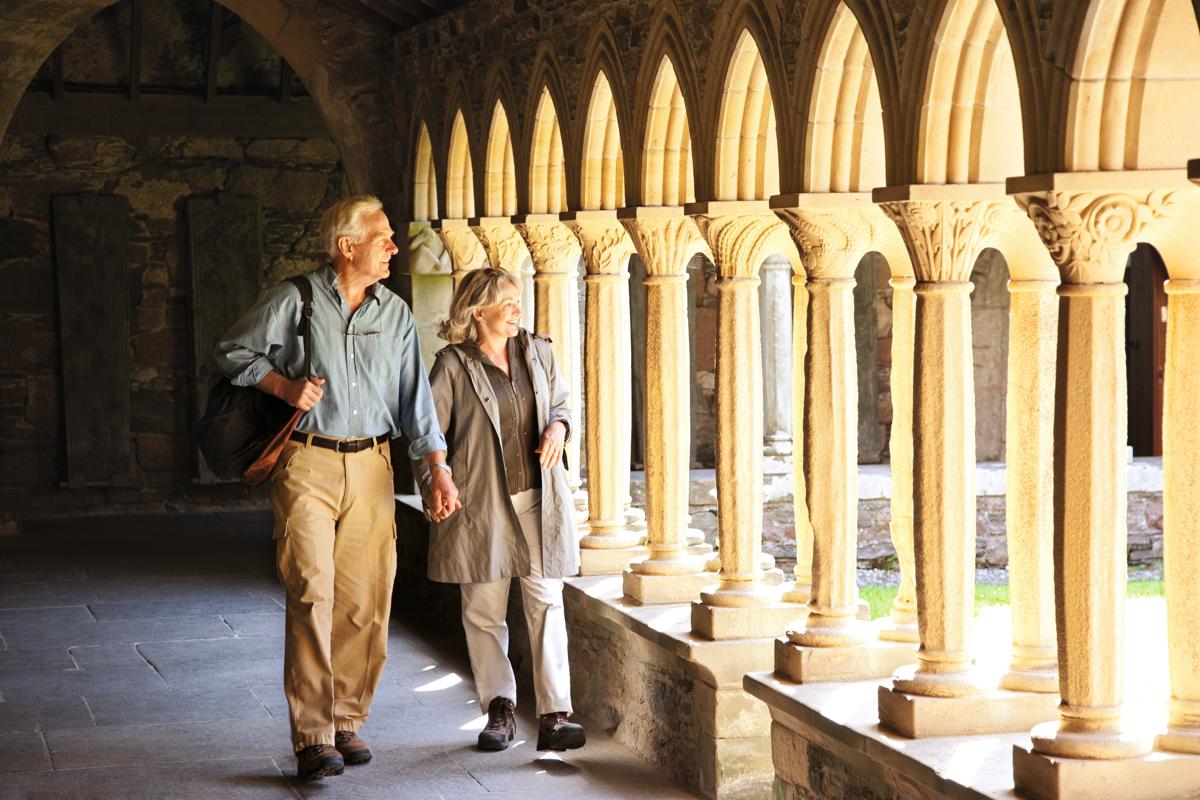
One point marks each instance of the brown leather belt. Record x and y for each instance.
(339, 445)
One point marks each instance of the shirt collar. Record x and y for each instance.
(328, 277)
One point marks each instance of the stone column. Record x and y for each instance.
(1029, 512)
(801, 590)
(666, 241)
(776, 305)
(1090, 234)
(609, 546)
(832, 233)
(466, 253)
(555, 254)
(741, 236)
(902, 622)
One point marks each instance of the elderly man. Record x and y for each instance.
(335, 526)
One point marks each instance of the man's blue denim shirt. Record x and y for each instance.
(374, 380)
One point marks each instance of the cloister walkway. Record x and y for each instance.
(142, 657)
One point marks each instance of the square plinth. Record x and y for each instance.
(993, 711)
(1151, 777)
(609, 562)
(755, 622)
(656, 589)
(866, 661)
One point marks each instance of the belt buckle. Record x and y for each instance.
(343, 449)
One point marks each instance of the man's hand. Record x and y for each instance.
(551, 447)
(443, 496)
(302, 393)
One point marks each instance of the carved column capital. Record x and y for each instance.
(504, 246)
(944, 237)
(466, 253)
(741, 242)
(554, 248)
(606, 246)
(831, 239)
(1090, 234)
(666, 244)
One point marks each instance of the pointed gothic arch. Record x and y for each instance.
(500, 172)
(460, 177)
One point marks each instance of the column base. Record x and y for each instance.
(1031, 680)
(892, 631)
(1179, 740)
(1051, 740)
(657, 589)
(995, 711)
(609, 562)
(745, 622)
(797, 592)
(1149, 777)
(860, 662)
(702, 550)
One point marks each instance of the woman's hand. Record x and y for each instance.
(551, 447)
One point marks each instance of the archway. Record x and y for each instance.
(460, 177)
(747, 145)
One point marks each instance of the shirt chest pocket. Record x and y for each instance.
(376, 354)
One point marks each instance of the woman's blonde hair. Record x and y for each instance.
(480, 289)
(345, 218)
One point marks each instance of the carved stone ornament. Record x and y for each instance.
(1091, 234)
(831, 241)
(466, 253)
(606, 246)
(551, 245)
(427, 253)
(505, 247)
(666, 245)
(944, 237)
(740, 243)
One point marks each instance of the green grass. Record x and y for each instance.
(986, 594)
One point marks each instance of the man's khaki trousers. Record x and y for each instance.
(335, 547)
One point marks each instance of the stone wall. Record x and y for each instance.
(294, 180)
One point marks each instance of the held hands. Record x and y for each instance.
(443, 496)
(303, 393)
(551, 447)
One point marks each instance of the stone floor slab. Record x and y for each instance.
(80, 682)
(194, 607)
(36, 714)
(22, 636)
(267, 625)
(139, 745)
(23, 752)
(173, 705)
(41, 658)
(240, 779)
(59, 615)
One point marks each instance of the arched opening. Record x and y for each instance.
(989, 337)
(1134, 80)
(971, 108)
(603, 161)
(547, 176)
(1145, 348)
(747, 148)
(843, 142)
(425, 200)
(460, 177)
(500, 173)
(667, 173)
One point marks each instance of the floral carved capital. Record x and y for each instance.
(831, 241)
(944, 237)
(741, 243)
(552, 246)
(505, 247)
(1091, 234)
(466, 253)
(606, 246)
(666, 245)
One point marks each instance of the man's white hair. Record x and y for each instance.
(345, 218)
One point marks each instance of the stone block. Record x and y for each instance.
(609, 562)
(300, 152)
(658, 589)
(789, 752)
(873, 659)
(203, 147)
(993, 711)
(726, 713)
(757, 622)
(1152, 777)
(736, 769)
(152, 197)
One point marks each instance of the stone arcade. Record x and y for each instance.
(726, 144)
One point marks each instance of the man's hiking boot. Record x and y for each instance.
(353, 749)
(319, 761)
(501, 726)
(557, 732)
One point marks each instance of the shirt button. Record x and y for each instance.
(356, 411)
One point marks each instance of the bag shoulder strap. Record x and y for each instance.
(304, 286)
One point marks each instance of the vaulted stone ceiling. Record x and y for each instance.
(405, 13)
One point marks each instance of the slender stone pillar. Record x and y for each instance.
(555, 253)
(902, 621)
(832, 233)
(466, 253)
(944, 228)
(1033, 326)
(801, 590)
(741, 235)
(429, 269)
(776, 304)
(506, 250)
(1090, 235)
(609, 546)
(666, 241)
(1181, 513)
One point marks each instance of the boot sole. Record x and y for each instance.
(494, 742)
(324, 771)
(359, 758)
(564, 740)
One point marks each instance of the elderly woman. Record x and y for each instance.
(503, 409)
